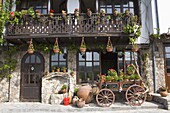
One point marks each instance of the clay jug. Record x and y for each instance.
(85, 92)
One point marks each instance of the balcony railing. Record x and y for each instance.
(57, 25)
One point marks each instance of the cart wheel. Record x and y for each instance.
(135, 95)
(105, 97)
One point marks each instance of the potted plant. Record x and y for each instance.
(38, 14)
(130, 69)
(58, 69)
(56, 47)
(51, 13)
(109, 78)
(132, 77)
(135, 48)
(163, 91)
(109, 46)
(112, 72)
(64, 69)
(83, 45)
(76, 13)
(63, 89)
(72, 73)
(102, 78)
(30, 48)
(126, 78)
(53, 69)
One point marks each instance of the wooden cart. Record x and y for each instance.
(134, 92)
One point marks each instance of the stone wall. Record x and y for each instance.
(4, 84)
(159, 60)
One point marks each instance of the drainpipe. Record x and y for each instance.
(153, 48)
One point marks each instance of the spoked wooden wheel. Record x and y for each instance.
(135, 95)
(105, 98)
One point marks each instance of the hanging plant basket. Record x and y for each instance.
(135, 49)
(109, 47)
(83, 45)
(56, 46)
(30, 47)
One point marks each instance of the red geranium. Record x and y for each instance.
(12, 13)
(51, 11)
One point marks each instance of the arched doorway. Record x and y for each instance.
(32, 69)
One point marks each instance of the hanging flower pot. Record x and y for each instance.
(83, 45)
(51, 13)
(135, 48)
(109, 47)
(56, 47)
(30, 48)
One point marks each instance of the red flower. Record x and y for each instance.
(12, 13)
(51, 11)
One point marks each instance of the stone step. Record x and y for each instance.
(39, 107)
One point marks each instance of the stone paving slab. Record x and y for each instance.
(25, 107)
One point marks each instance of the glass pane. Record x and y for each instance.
(27, 60)
(131, 4)
(54, 64)
(62, 57)
(124, 9)
(32, 58)
(81, 57)
(167, 62)
(127, 55)
(135, 53)
(167, 49)
(96, 56)
(109, 10)
(89, 76)
(38, 60)
(125, 4)
(54, 57)
(118, 9)
(62, 64)
(81, 76)
(167, 55)
(168, 70)
(132, 11)
(81, 66)
(117, 5)
(120, 65)
(44, 11)
(96, 73)
(89, 56)
(88, 66)
(96, 66)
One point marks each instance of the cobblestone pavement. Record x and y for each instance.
(26, 107)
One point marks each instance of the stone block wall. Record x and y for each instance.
(159, 62)
(4, 84)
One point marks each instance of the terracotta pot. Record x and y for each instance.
(56, 50)
(30, 51)
(85, 92)
(82, 49)
(135, 49)
(109, 49)
(95, 90)
(163, 93)
(126, 79)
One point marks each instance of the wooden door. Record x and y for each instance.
(32, 69)
(167, 66)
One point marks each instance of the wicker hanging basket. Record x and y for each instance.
(56, 46)
(109, 47)
(83, 45)
(30, 47)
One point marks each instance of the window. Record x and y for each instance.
(41, 5)
(167, 58)
(88, 67)
(120, 5)
(58, 61)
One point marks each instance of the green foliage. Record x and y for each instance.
(63, 87)
(9, 63)
(45, 48)
(64, 68)
(112, 72)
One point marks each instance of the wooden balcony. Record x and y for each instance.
(57, 26)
